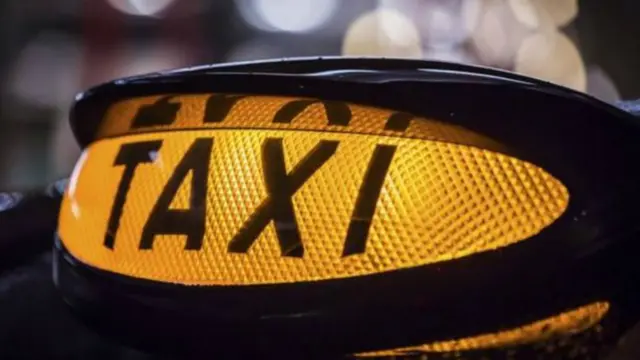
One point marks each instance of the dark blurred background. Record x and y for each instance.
(53, 49)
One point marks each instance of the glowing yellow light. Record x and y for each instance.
(444, 193)
(564, 324)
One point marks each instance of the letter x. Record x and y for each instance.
(278, 206)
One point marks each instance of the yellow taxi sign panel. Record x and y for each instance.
(226, 203)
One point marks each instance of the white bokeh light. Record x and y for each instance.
(296, 16)
(497, 35)
(141, 7)
(441, 23)
(471, 11)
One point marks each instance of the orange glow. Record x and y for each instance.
(567, 323)
(439, 200)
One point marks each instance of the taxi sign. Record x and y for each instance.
(266, 190)
(372, 207)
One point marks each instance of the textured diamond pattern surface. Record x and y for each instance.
(439, 201)
(257, 112)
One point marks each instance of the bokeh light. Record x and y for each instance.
(543, 13)
(55, 49)
(297, 16)
(141, 7)
(552, 56)
(497, 34)
(601, 86)
(383, 32)
(471, 11)
(44, 73)
(440, 23)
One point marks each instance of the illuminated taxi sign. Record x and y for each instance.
(264, 190)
